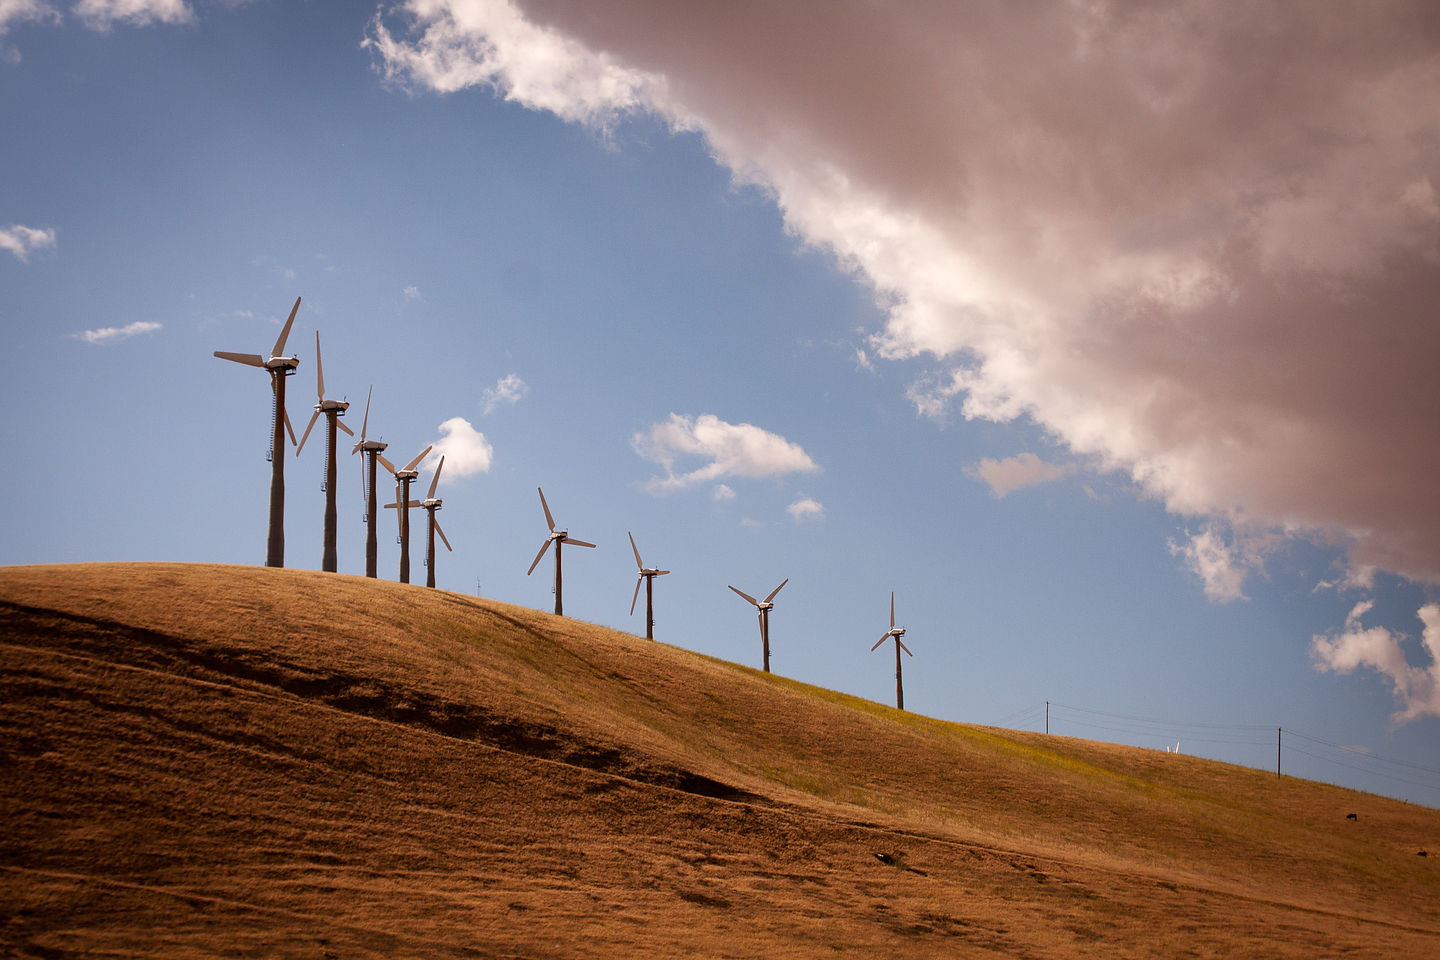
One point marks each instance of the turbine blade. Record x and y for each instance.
(661, 573)
(319, 372)
(903, 647)
(549, 520)
(341, 424)
(444, 539)
(637, 594)
(878, 642)
(313, 417)
(399, 522)
(892, 609)
(777, 590)
(760, 619)
(383, 462)
(289, 429)
(577, 543)
(365, 424)
(638, 562)
(543, 547)
(252, 359)
(435, 480)
(279, 347)
(418, 457)
(745, 595)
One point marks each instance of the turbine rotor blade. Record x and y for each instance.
(746, 596)
(341, 424)
(436, 480)
(279, 347)
(319, 372)
(365, 424)
(637, 594)
(383, 462)
(543, 547)
(418, 457)
(661, 573)
(777, 590)
(443, 538)
(878, 642)
(892, 609)
(251, 359)
(760, 619)
(638, 562)
(549, 520)
(577, 543)
(903, 647)
(313, 417)
(285, 415)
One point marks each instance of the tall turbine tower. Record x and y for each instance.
(764, 606)
(279, 367)
(333, 410)
(369, 451)
(403, 478)
(431, 505)
(648, 574)
(559, 538)
(897, 633)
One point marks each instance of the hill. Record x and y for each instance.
(210, 761)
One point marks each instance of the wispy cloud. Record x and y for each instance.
(465, 449)
(1221, 569)
(723, 493)
(101, 14)
(1416, 689)
(806, 509)
(21, 240)
(22, 11)
(1014, 473)
(111, 334)
(411, 293)
(731, 449)
(507, 390)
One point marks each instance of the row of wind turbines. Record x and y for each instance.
(279, 366)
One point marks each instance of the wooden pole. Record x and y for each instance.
(765, 636)
(649, 608)
(430, 550)
(404, 507)
(899, 687)
(1047, 718)
(559, 607)
(1279, 731)
(372, 552)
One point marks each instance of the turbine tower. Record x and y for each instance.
(764, 606)
(279, 367)
(369, 451)
(648, 574)
(333, 410)
(559, 538)
(431, 505)
(403, 478)
(897, 633)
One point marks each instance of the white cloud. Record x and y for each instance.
(110, 334)
(732, 449)
(101, 14)
(411, 292)
(723, 492)
(21, 240)
(806, 509)
(1416, 689)
(465, 449)
(1221, 568)
(21, 11)
(1013, 473)
(508, 389)
(1219, 284)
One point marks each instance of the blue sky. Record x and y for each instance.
(709, 293)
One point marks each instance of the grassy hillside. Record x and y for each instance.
(232, 761)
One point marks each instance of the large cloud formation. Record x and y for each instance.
(1198, 243)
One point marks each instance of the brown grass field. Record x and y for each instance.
(210, 761)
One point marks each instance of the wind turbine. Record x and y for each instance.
(333, 410)
(279, 367)
(897, 633)
(764, 606)
(369, 451)
(648, 574)
(403, 478)
(559, 538)
(431, 505)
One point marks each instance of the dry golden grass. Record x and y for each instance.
(233, 761)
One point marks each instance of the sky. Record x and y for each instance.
(1103, 334)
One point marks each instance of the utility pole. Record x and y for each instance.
(1278, 732)
(1047, 718)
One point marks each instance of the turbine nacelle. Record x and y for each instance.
(339, 406)
(280, 363)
